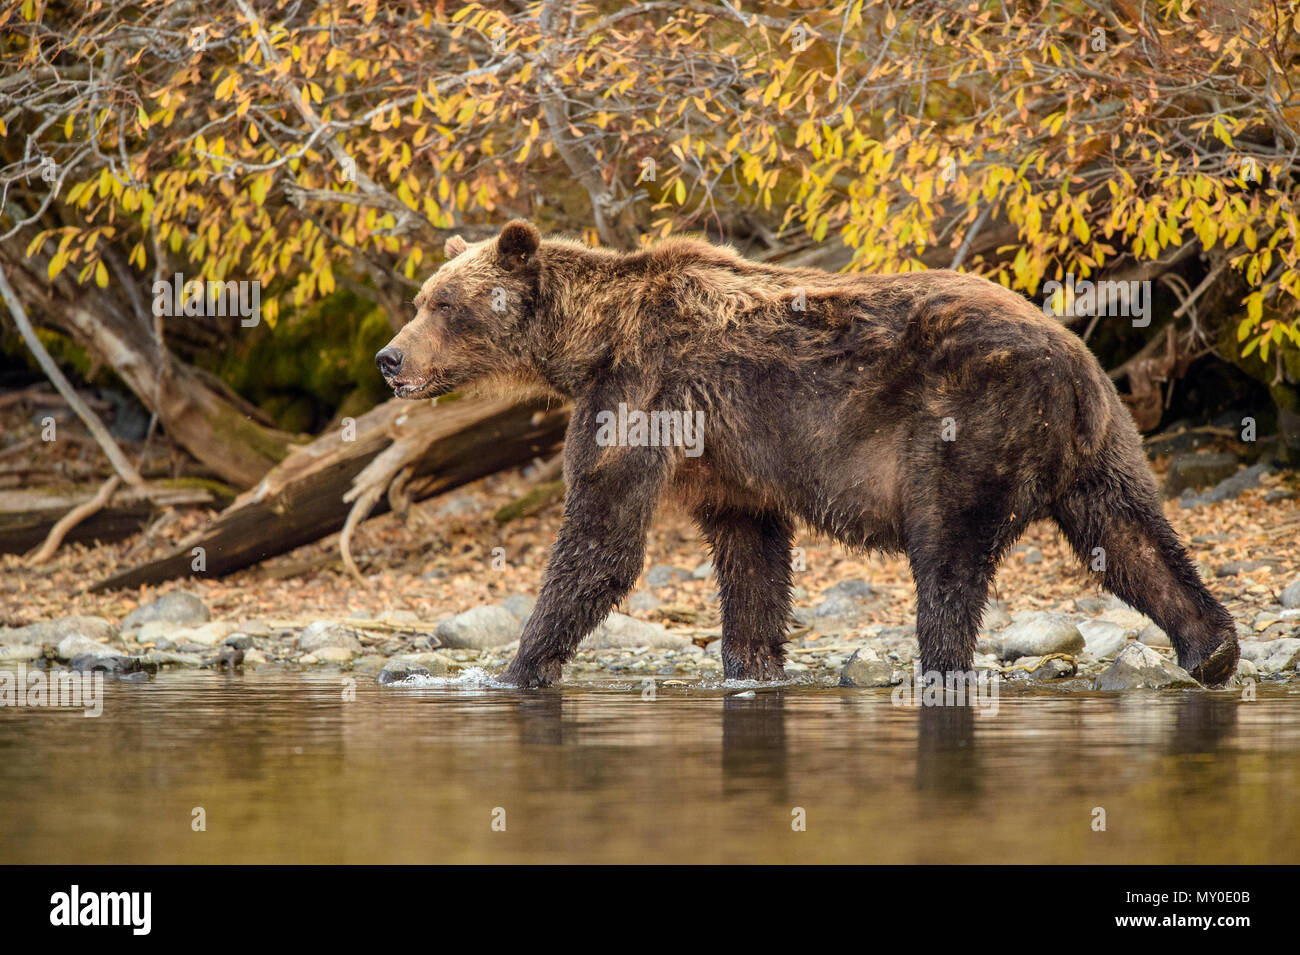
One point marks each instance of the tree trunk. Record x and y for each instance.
(309, 495)
(26, 517)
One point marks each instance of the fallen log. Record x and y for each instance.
(539, 498)
(28, 516)
(311, 493)
(68, 522)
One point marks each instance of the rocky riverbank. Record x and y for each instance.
(1098, 643)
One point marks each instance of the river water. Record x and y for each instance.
(209, 767)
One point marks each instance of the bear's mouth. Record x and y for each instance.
(429, 387)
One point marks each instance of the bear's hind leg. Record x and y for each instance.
(1116, 525)
(751, 558)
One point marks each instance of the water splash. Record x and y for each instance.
(471, 678)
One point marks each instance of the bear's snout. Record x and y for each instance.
(389, 360)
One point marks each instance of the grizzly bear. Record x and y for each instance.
(934, 414)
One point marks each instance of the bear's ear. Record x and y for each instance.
(454, 247)
(517, 243)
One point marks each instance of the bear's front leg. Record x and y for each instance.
(751, 558)
(609, 500)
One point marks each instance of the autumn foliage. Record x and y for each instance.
(316, 146)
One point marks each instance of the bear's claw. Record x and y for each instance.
(1218, 668)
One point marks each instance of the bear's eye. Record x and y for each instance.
(444, 306)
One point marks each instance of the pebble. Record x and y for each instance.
(662, 575)
(181, 609)
(1128, 618)
(480, 628)
(1234, 567)
(435, 663)
(207, 635)
(156, 631)
(995, 616)
(619, 631)
(322, 635)
(1037, 633)
(1139, 667)
(867, 668)
(1230, 487)
(839, 605)
(397, 671)
(854, 587)
(114, 663)
(52, 632)
(1272, 656)
(77, 644)
(1193, 470)
(1153, 636)
(521, 605)
(1098, 604)
(1102, 639)
(643, 601)
(168, 658)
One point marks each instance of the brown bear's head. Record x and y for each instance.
(469, 319)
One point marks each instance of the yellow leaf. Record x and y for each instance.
(1254, 310)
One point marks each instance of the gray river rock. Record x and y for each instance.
(53, 632)
(621, 632)
(322, 634)
(480, 628)
(1138, 667)
(867, 668)
(181, 609)
(1272, 656)
(1038, 633)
